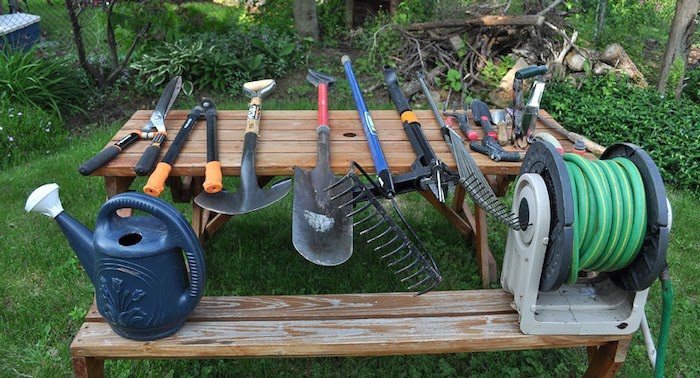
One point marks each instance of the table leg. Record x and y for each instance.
(607, 359)
(84, 367)
(484, 257)
(118, 184)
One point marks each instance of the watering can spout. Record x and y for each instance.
(45, 200)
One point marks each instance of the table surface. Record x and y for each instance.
(288, 138)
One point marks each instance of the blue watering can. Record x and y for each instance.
(143, 288)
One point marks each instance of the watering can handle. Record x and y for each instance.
(182, 230)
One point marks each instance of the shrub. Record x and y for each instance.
(34, 79)
(610, 110)
(222, 62)
(26, 130)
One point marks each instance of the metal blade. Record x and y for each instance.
(167, 99)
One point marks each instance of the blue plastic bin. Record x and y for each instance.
(18, 31)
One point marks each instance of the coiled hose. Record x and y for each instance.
(610, 220)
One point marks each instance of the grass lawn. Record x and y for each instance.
(45, 292)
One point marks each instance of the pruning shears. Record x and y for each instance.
(525, 114)
(154, 129)
(489, 146)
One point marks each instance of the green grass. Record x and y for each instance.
(45, 292)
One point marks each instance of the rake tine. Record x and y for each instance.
(361, 209)
(375, 238)
(421, 282)
(373, 227)
(401, 259)
(339, 182)
(343, 193)
(363, 220)
(414, 274)
(388, 244)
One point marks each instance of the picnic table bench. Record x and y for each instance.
(329, 325)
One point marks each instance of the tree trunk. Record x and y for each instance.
(682, 28)
(305, 21)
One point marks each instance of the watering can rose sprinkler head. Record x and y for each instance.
(44, 200)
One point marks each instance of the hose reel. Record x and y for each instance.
(539, 257)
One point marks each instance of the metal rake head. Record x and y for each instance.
(475, 183)
(403, 251)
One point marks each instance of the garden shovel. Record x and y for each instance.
(250, 196)
(321, 232)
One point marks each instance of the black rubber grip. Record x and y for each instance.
(147, 161)
(392, 85)
(102, 158)
(510, 156)
(531, 71)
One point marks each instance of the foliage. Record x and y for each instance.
(609, 109)
(691, 90)
(493, 72)
(212, 61)
(27, 131)
(331, 21)
(629, 22)
(49, 82)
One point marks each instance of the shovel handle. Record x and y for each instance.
(252, 124)
(322, 104)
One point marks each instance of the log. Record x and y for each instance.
(616, 56)
(480, 21)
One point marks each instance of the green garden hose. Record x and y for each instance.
(610, 218)
(609, 213)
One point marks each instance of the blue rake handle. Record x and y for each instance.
(380, 164)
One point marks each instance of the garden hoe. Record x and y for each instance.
(321, 232)
(250, 196)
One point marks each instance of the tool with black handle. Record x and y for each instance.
(156, 121)
(213, 178)
(489, 146)
(156, 181)
(427, 171)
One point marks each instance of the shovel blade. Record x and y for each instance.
(243, 201)
(321, 232)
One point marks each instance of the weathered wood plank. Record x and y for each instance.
(347, 306)
(334, 337)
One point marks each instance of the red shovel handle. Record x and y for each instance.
(322, 104)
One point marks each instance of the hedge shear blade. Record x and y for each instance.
(157, 121)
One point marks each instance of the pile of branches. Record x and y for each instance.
(485, 35)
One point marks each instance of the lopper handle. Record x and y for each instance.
(213, 182)
(392, 85)
(156, 182)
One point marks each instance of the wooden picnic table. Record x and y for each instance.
(369, 324)
(288, 138)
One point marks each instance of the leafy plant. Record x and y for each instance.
(210, 60)
(493, 73)
(34, 79)
(610, 109)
